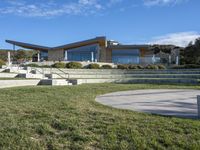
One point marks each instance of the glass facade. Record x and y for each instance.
(126, 56)
(44, 55)
(84, 53)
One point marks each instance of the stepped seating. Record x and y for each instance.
(53, 76)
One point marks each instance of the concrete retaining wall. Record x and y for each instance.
(8, 75)
(16, 83)
(31, 76)
(111, 76)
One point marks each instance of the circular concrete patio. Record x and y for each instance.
(172, 102)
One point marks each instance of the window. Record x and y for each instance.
(126, 56)
(84, 53)
(44, 55)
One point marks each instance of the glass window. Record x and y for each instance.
(123, 56)
(44, 55)
(84, 53)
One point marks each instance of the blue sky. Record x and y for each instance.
(56, 22)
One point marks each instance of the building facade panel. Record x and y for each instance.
(56, 55)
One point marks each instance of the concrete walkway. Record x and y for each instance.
(172, 102)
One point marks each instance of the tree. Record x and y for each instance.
(192, 53)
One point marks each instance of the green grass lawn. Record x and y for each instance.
(69, 118)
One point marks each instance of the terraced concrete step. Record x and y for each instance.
(139, 80)
(2, 70)
(17, 83)
(55, 82)
(83, 76)
(31, 76)
(8, 75)
(116, 71)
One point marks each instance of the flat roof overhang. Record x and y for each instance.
(29, 46)
(98, 40)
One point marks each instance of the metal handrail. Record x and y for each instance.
(65, 73)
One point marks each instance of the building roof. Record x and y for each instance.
(100, 40)
(29, 46)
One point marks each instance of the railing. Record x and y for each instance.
(36, 70)
(66, 74)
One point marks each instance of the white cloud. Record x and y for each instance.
(162, 2)
(179, 39)
(49, 8)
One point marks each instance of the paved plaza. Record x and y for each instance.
(172, 102)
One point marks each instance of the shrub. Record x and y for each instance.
(133, 67)
(122, 67)
(93, 66)
(161, 67)
(2, 63)
(140, 67)
(155, 67)
(59, 65)
(191, 66)
(74, 65)
(188, 66)
(106, 67)
(45, 66)
(31, 65)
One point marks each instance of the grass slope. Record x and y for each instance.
(69, 118)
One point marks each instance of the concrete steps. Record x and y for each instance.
(115, 76)
(52, 76)
(55, 82)
(141, 81)
(2, 70)
(18, 83)
(8, 75)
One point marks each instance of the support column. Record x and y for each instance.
(153, 59)
(92, 56)
(38, 56)
(9, 60)
(170, 59)
(177, 60)
(66, 56)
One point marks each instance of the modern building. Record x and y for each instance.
(98, 49)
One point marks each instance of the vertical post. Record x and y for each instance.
(198, 106)
(177, 60)
(66, 56)
(38, 56)
(9, 61)
(170, 59)
(92, 56)
(153, 59)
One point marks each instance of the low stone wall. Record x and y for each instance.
(16, 83)
(8, 75)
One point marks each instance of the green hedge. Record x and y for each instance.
(74, 65)
(187, 66)
(106, 67)
(154, 67)
(31, 65)
(2, 63)
(122, 66)
(59, 65)
(93, 66)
